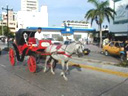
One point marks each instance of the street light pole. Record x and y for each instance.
(127, 19)
(7, 9)
(2, 28)
(1, 19)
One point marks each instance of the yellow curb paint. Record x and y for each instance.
(122, 74)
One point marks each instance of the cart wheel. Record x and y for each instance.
(12, 56)
(32, 64)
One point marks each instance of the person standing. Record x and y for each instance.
(126, 48)
(105, 41)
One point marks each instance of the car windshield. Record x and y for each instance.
(50, 39)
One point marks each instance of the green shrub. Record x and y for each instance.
(124, 64)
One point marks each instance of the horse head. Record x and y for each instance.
(79, 48)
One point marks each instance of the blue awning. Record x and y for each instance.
(63, 29)
(80, 29)
(47, 28)
(66, 32)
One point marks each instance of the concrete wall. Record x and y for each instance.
(120, 23)
(50, 33)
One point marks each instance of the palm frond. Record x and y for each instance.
(111, 10)
(90, 12)
(107, 17)
(94, 2)
(104, 4)
(110, 13)
(101, 11)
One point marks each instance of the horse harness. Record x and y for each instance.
(63, 52)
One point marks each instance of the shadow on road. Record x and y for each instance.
(75, 67)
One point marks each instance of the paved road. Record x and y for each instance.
(102, 57)
(18, 81)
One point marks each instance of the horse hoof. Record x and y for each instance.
(44, 70)
(53, 73)
(65, 78)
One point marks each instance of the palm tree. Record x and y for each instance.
(99, 13)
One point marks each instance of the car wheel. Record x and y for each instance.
(122, 57)
(106, 53)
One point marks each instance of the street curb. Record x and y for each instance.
(118, 73)
(96, 61)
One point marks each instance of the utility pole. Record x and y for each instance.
(7, 10)
(2, 27)
(127, 19)
(1, 19)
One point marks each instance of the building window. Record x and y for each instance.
(68, 29)
(46, 36)
(55, 36)
(77, 37)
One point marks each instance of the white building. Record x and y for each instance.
(120, 24)
(31, 18)
(12, 24)
(77, 29)
(77, 24)
(70, 32)
(29, 5)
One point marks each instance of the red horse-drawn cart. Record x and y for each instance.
(26, 45)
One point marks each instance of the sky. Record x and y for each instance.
(58, 10)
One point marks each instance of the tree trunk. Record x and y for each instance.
(100, 35)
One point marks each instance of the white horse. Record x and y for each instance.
(63, 54)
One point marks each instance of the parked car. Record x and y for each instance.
(2, 38)
(55, 41)
(113, 48)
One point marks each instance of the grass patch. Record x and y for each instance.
(123, 64)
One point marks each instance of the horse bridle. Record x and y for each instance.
(70, 52)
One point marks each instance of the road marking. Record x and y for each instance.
(2, 65)
(118, 73)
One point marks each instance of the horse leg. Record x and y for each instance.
(67, 67)
(52, 61)
(45, 65)
(63, 70)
